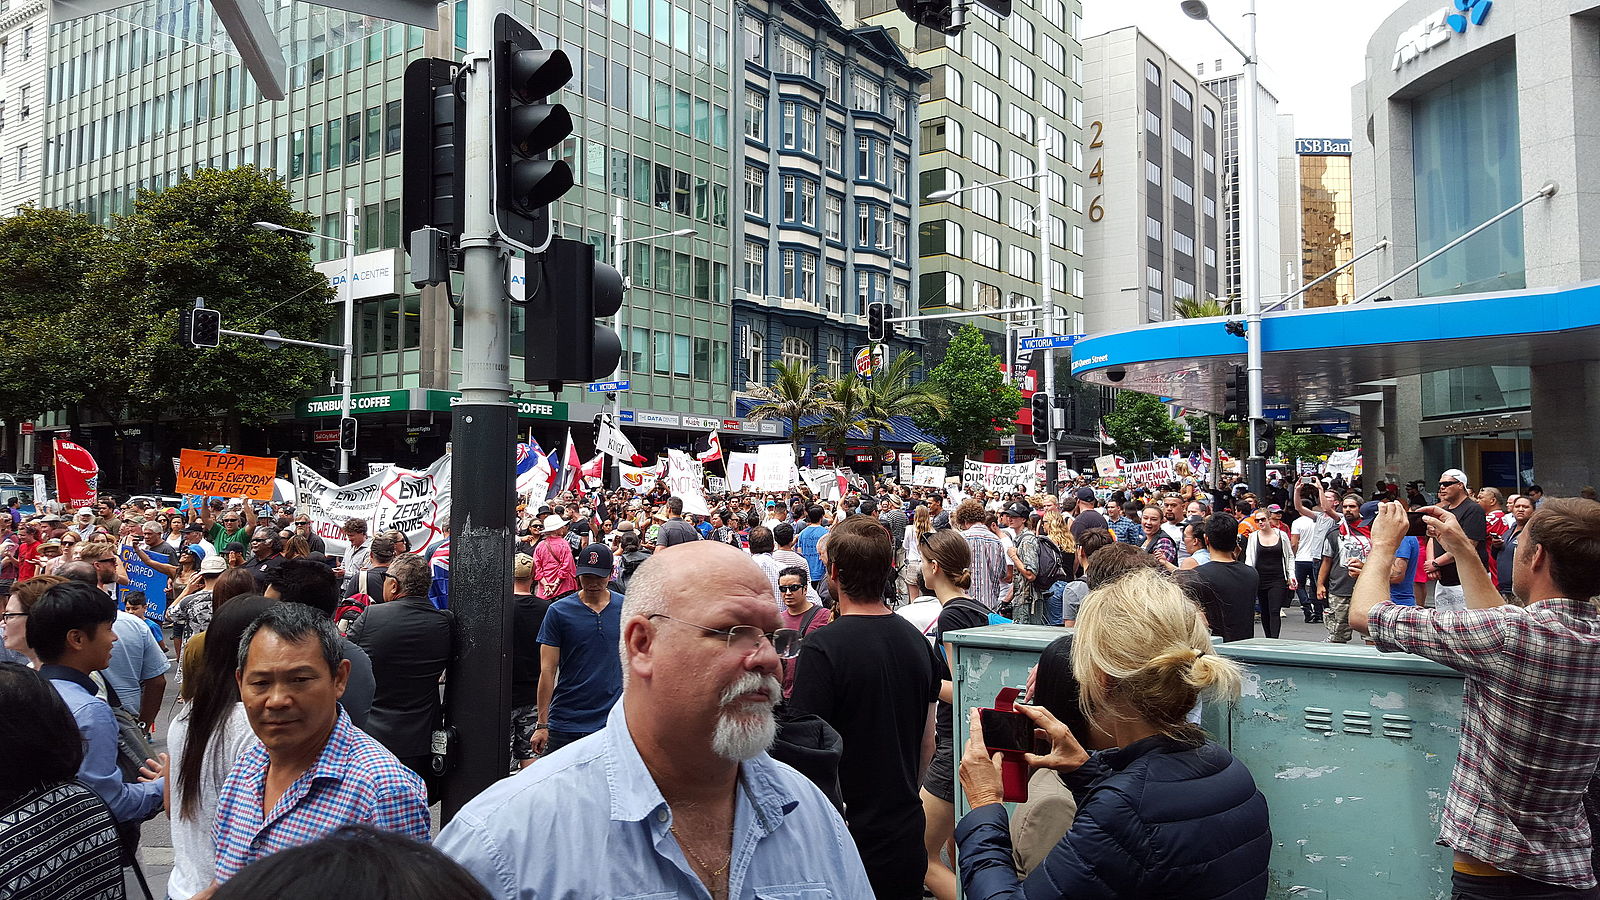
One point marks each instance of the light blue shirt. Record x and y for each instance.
(136, 657)
(99, 772)
(589, 822)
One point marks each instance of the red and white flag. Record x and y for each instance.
(708, 449)
(592, 474)
(611, 441)
(568, 478)
(77, 475)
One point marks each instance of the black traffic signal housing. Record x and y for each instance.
(347, 433)
(1041, 417)
(572, 292)
(878, 327)
(1235, 395)
(947, 16)
(432, 148)
(526, 128)
(205, 327)
(1267, 439)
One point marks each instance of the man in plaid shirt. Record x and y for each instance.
(313, 770)
(1530, 738)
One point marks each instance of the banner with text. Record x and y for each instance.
(226, 474)
(639, 480)
(776, 470)
(685, 477)
(1344, 462)
(1006, 478)
(146, 579)
(1108, 466)
(1152, 471)
(928, 476)
(413, 502)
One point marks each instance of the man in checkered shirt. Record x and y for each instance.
(313, 770)
(1530, 733)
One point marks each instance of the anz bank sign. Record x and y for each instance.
(1439, 27)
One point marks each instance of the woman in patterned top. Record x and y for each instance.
(57, 839)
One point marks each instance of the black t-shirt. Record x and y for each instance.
(1475, 524)
(526, 620)
(957, 615)
(1231, 614)
(872, 678)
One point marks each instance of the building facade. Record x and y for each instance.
(1225, 79)
(1322, 223)
(24, 29)
(137, 99)
(1153, 231)
(830, 130)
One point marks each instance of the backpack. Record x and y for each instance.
(994, 619)
(1048, 569)
(353, 605)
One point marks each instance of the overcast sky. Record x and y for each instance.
(1312, 54)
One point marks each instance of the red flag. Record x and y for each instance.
(570, 466)
(77, 475)
(712, 449)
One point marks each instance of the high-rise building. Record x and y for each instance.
(1154, 139)
(1318, 220)
(830, 113)
(1225, 78)
(24, 26)
(140, 97)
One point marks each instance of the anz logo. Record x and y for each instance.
(1438, 27)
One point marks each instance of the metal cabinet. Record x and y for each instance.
(1352, 748)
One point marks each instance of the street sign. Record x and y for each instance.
(325, 436)
(1276, 413)
(625, 415)
(1053, 342)
(606, 387)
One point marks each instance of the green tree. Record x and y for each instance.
(794, 394)
(980, 405)
(1139, 420)
(197, 239)
(845, 410)
(1190, 308)
(891, 393)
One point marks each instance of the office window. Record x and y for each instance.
(1181, 96)
(1152, 228)
(755, 371)
(1021, 31)
(1054, 98)
(796, 350)
(869, 93)
(754, 41)
(1210, 207)
(335, 143)
(833, 78)
(1022, 260)
(755, 269)
(902, 177)
(1182, 144)
(391, 115)
(1182, 243)
(986, 103)
(1077, 70)
(1211, 257)
(1152, 172)
(983, 53)
(1208, 116)
(1077, 239)
(833, 219)
(1077, 112)
(755, 191)
(1182, 289)
(835, 362)
(835, 149)
(1182, 191)
(1021, 123)
(1054, 55)
(1155, 308)
(985, 250)
(794, 56)
(1152, 72)
(985, 202)
(833, 289)
(986, 152)
(1207, 161)
(352, 141)
(755, 115)
(1021, 76)
(900, 112)
(374, 132)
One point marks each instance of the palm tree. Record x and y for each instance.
(891, 393)
(794, 394)
(1190, 308)
(845, 395)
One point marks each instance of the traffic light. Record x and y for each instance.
(347, 433)
(526, 129)
(563, 341)
(947, 16)
(1235, 395)
(205, 327)
(878, 327)
(1267, 440)
(1041, 418)
(431, 177)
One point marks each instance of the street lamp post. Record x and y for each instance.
(617, 242)
(1249, 231)
(1046, 308)
(348, 300)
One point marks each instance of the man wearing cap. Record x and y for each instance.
(83, 523)
(265, 546)
(1084, 516)
(553, 574)
(1023, 554)
(1441, 564)
(580, 673)
(195, 533)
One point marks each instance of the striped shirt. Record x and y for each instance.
(1529, 740)
(354, 781)
(988, 565)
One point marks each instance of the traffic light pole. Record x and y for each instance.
(478, 687)
(348, 352)
(1047, 316)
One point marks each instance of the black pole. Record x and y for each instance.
(478, 689)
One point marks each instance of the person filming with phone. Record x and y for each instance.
(1514, 815)
(1165, 812)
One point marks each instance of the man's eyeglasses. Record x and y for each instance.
(791, 588)
(1445, 484)
(746, 639)
(7, 617)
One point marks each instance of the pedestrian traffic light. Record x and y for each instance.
(347, 433)
(878, 327)
(526, 129)
(564, 342)
(205, 327)
(1235, 395)
(1041, 418)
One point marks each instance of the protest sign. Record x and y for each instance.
(684, 478)
(1108, 466)
(226, 474)
(776, 471)
(1344, 462)
(908, 467)
(1006, 478)
(1153, 471)
(742, 470)
(716, 484)
(414, 502)
(145, 578)
(927, 476)
(639, 480)
(77, 475)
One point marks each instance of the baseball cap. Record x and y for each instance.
(234, 547)
(1085, 494)
(1274, 508)
(594, 559)
(212, 565)
(1019, 510)
(1369, 510)
(195, 527)
(551, 523)
(1454, 475)
(524, 566)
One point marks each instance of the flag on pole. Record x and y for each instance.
(708, 449)
(566, 477)
(591, 475)
(77, 475)
(610, 441)
(1106, 438)
(533, 470)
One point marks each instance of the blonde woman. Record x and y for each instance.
(1165, 813)
(921, 524)
(1055, 528)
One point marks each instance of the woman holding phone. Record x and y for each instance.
(1165, 813)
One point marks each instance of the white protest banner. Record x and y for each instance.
(684, 478)
(1107, 466)
(641, 481)
(776, 471)
(716, 484)
(1344, 462)
(824, 483)
(1152, 471)
(743, 469)
(1006, 478)
(907, 466)
(928, 476)
(414, 502)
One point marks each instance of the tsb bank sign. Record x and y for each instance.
(1438, 28)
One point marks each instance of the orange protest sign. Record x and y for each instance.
(226, 474)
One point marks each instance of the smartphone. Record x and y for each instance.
(1004, 730)
(1418, 527)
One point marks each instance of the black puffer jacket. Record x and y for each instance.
(1157, 818)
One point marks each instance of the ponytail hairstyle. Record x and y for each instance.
(1143, 653)
(950, 550)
